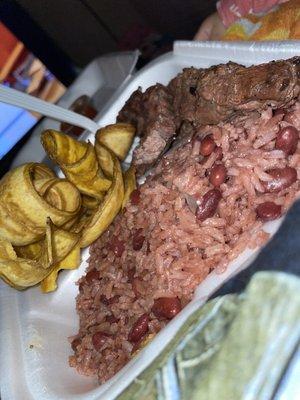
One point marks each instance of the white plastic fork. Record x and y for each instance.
(28, 102)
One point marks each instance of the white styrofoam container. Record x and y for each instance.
(34, 327)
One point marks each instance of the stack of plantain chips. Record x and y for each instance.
(45, 220)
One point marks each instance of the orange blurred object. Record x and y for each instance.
(7, 44)
(10, 51)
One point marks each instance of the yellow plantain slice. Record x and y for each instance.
(62, 195)
(23, 212)
(17, 231)
(86, 216)
(18, 272)
(129, 184)
(117, 137)
(71, 261)
(108, 209)
(87, 176)
(7, 251)
(62, 243)
(104, 159)
(21, 272)
(78, 162)
(30, 251)
(69, 224)
(42, 171)
(62, 148)
(90, 202)
(41, 177)
(89, 207)
(42, 184)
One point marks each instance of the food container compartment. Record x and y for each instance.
(34, 326)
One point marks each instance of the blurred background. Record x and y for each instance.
(45, 45)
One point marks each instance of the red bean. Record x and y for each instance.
(219, 153)
(92, 275)
(217, 174)
(166, 307)
(138, 240)
(99, 339)
(287, 140)
(207, 146)
(117, 246)
(268, 211)
(135, 197)
(208, 205)
(283, 178)
(139, 328)
(75, 343)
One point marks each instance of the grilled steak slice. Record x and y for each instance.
(203, 97)
(208, 96)
(152, 113)
(132, 112)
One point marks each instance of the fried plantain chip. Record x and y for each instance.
(24, 212)
(41, 258)
(71, 261)
(62, 243)
(90, 202)
(42, 184)
(31, 251)
(88, 209)
(19, 273)
(61, 148)
(22, 231)
(87, 175)
(15, 230)
(41, 171)
(85, 218)
(78, 162)
(62, 195)
(108, 209)
(117, 137)
(104, 159)
(129, 184)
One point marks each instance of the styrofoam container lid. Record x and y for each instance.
(34, 327)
